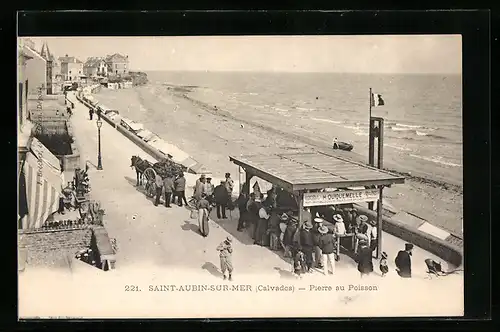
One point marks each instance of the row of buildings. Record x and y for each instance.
(51, 72)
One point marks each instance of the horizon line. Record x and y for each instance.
(297, 72)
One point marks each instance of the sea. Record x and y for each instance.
(422, 112)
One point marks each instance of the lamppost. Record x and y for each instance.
(99, 125)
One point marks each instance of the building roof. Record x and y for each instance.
(116, 57)
(313, 170)
(22, 52)
(69, 59)
(45, 52)
(93, 62)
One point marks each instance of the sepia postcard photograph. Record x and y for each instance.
(240, 176)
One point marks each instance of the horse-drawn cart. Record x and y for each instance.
(146, 172)
(148, 181)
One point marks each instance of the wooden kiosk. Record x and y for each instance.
(306, 174)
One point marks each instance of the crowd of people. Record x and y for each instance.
(272, 221)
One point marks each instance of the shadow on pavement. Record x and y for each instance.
(285, 274)
(212, 269)
(230, 224)
(188, 226)
(140, 189)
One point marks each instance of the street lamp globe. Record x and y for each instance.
(99, 123)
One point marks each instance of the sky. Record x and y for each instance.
(341, 54)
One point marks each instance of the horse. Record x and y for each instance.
(140, 166)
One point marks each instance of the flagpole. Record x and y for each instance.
(370, 142)
(370, 99)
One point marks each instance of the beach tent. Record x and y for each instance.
(135, 126)
(39, 186)
(157, 143)
(144, 134)
(125, 122)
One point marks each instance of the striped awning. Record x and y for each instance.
(44, 154)
(42, 185)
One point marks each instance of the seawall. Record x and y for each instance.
(441, 248)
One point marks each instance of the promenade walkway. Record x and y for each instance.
(160, 246)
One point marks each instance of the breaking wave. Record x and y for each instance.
(436, 159)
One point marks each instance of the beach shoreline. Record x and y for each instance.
(178, 117)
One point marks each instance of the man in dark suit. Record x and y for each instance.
(403, 261)
(221, 197)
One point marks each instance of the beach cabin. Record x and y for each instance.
(145, 135)
(107, 110)
(131, 125)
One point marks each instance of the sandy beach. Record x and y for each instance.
(186, 117)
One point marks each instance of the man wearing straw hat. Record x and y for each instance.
(307, 244)
(360, 230)
(339, 224)
(327, 245)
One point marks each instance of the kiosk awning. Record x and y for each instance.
(39, 188)
(313, 171)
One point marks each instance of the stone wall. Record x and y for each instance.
(60, 129)
(52, 247)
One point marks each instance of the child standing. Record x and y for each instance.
(225, 254)
(383, 264)
(299, 266)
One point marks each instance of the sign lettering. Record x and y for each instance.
(341, 197)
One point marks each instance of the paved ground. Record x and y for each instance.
(161, 246)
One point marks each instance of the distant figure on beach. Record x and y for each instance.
(335, 143)
(403, 261)
(225, 250)
(91, 113)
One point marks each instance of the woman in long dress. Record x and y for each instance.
(365, 260)
(203, 207)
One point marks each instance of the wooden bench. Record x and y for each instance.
(106, 252)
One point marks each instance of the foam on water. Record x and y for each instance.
(326, 120)
(437, 160)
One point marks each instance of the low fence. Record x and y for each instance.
(447, 251)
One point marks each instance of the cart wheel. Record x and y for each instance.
(149, 183)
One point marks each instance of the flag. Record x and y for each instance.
(377, 100)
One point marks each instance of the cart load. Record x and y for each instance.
(167, 167)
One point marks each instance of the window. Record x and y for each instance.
(26, 89)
